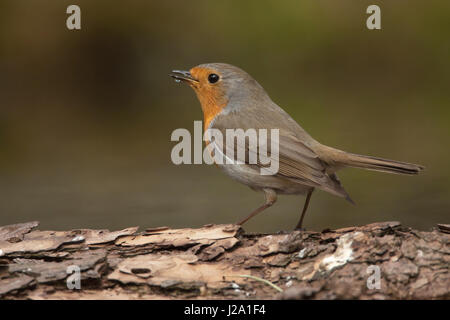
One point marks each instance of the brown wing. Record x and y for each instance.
(297, 161)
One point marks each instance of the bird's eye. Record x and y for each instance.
(213, 78)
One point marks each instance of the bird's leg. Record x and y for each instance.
(305, 207)
(271, 198)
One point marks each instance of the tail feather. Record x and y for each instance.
(378, 164)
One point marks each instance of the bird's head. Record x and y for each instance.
(221, 85)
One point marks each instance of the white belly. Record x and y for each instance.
(252, 178)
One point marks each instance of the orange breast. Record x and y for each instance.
(211, 97)
(210, 107)
(210, 114)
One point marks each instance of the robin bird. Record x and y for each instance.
(231, 99)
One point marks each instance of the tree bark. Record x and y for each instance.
(377, 261)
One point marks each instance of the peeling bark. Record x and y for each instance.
(222, 262)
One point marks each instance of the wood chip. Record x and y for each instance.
(16, 230)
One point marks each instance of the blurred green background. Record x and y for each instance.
(86, 116)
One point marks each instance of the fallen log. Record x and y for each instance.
(377, 261)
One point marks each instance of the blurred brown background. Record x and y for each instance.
(86, 116)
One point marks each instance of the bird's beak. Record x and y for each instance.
(182, 75)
